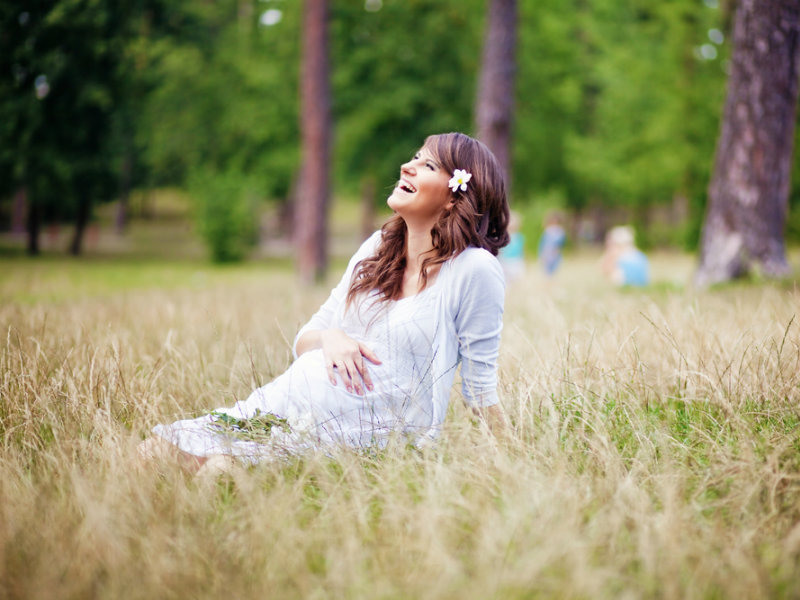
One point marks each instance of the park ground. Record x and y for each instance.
(654, 447)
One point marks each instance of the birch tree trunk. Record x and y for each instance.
(749, 189)
(311, 208)
(495, 103)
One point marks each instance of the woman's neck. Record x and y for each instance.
(418, 243)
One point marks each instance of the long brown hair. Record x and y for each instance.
(479, 217)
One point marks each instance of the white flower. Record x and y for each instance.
(459, 180)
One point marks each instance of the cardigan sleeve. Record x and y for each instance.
(323, 318)
(478, 323)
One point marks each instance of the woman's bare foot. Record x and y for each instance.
(214, 466)
(157, 448)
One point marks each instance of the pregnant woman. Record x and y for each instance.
(420, 297)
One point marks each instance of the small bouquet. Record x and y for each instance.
(257, 428)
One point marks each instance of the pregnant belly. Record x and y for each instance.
(397, 402)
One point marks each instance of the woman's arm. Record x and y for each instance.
(478, 319)
(324, 317)
(495, 418)
(478, 322)
(343, 354)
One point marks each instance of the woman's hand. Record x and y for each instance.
(346, 355)
(495, 418)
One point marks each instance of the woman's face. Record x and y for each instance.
(421, 194)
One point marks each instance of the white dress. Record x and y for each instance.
(420, 341)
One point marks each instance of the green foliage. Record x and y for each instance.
(550, 77)
(793, 221)
(220, 113)
(617, 103)
(59, 89)
(400, 74)
(224, 96)
(225, 212)
(649, 104)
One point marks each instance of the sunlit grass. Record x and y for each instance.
(654, 448)
(58, 278)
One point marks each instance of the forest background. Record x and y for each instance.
(617, 107)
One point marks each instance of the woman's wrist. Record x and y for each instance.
(310, 340)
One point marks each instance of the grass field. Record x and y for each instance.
(654, 448)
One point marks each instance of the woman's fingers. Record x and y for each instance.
(347, 371)
(368, 353)
(344, 373)
(345, 356)
(329, 366)
(353, 373)
(362, 371)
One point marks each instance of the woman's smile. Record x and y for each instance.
(421, 193)
(405, 186)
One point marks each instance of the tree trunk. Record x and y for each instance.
(749, 189)
(81, 221)
(121, 218)
(34, 225)
(311, 209)
(495, 104)
(19, 210)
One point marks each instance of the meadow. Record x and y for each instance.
(653, 452)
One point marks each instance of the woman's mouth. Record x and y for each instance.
(406, 187)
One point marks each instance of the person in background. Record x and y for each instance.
(512, 257)
(623, 263)
(551, 244)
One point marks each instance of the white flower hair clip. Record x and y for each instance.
(459, 180)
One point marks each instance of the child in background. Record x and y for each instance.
(512, 256)
(623, 263)
(551, 244)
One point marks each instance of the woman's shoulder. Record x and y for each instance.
(473, 258)
(474, 278)
(368, 247)
(477, 265)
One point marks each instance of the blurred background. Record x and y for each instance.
(183, 127)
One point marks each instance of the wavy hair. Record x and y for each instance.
(478, 218)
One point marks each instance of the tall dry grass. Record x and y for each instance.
(654, 451)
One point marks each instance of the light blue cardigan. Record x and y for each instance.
(469, 315)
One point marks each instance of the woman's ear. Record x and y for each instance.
(451, 203)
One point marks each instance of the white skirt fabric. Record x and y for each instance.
(320, 414)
